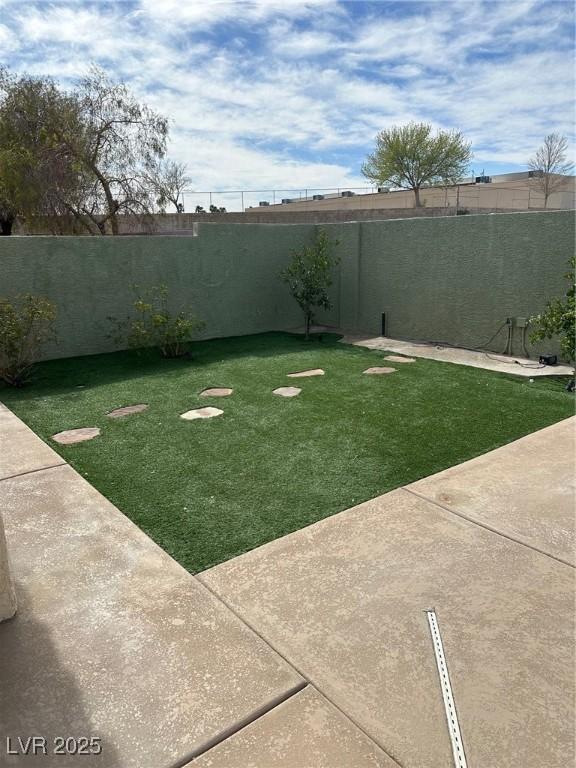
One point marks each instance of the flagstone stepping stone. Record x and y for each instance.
(127, 410)
(398, 359)
(201, 413)
(71, 436)
(216, 392)
(287, 391)
(311, 372)
(378, 371)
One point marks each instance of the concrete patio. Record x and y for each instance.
(312, 651)
(490, 361)
(475, 358)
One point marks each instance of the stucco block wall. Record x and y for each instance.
(228, 275)
(452, 279)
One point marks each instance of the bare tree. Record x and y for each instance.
(118, 145)
(550, 165)
(169, 179)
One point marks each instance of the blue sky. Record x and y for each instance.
(291, 93)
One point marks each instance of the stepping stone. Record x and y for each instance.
(201, 413)
(398, 359)
(127, 410)
(287, 391)
(216, 392)
(70, 436)
(311, 372)
(377, 371)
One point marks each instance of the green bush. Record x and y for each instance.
(153, 325)
(26, 324)
(559, 319)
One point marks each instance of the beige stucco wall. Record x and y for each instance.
(508, 195)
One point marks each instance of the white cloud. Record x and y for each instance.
(291, 92)
(209, 13)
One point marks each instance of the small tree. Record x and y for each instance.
(26, 324)
(410, 156)
(309, 275)
(559, 319)
(550, 165)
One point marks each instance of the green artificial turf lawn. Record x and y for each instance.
(208, 490)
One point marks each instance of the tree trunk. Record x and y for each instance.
(308, 317)
(417, 203)
(6, 226)
(110, 202)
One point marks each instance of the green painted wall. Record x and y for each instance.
(452, 279)
(228, 275)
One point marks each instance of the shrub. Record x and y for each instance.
(26, 324)
(559, 319)
(309, 275)
(153, 325)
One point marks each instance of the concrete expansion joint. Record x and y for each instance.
(307, 681)
(488, 527)
(240, 725)
(32, 471)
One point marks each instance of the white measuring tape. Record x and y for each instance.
(449, 706)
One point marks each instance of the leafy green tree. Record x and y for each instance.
(88, 153)
(559, 319)
(411, 156)
(38, 174)
(309, 275)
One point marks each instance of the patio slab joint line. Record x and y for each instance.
(488, 527)
(307, 680)
(240, 725)
(31, 471)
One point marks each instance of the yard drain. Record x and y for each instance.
(447, 695)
